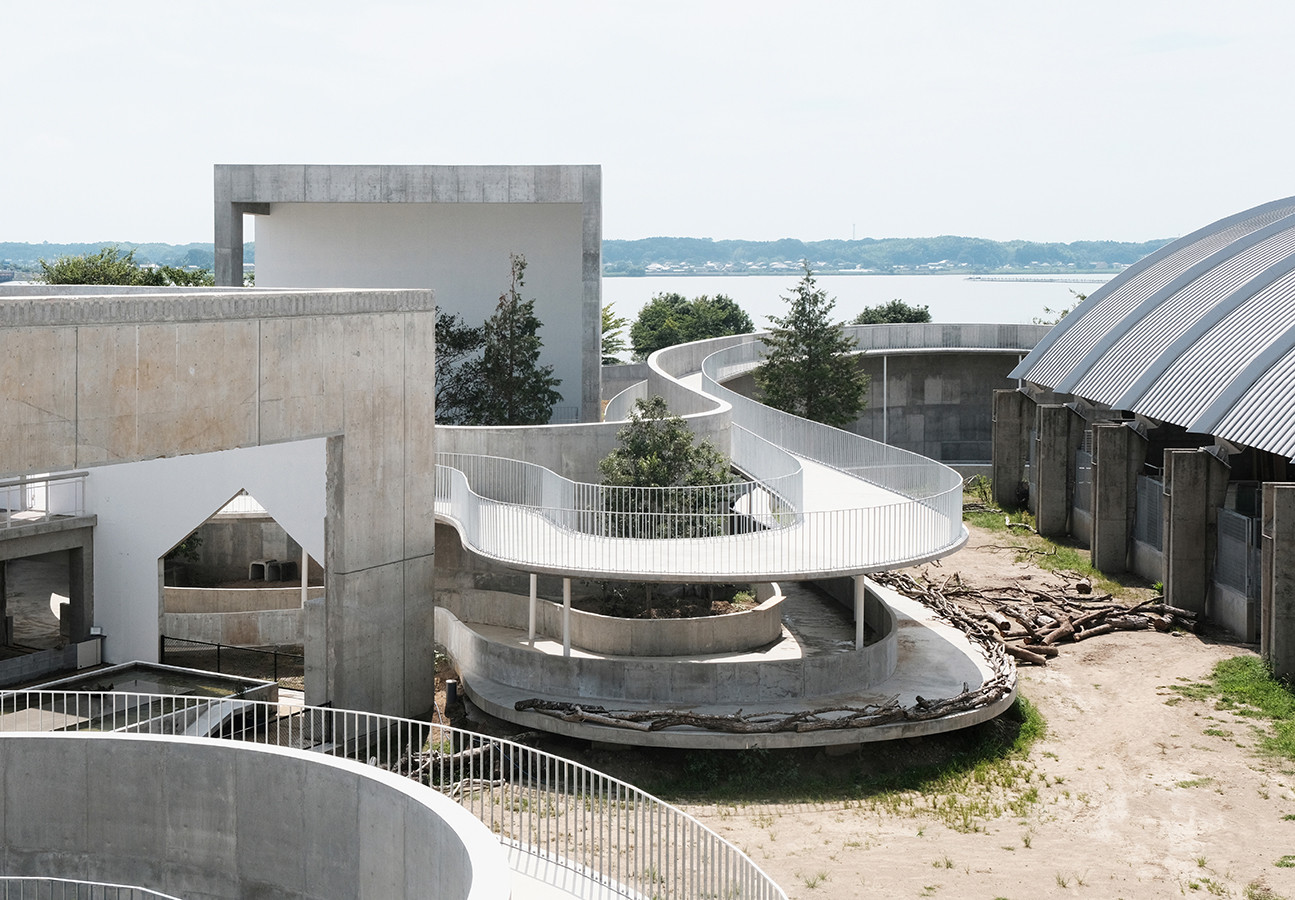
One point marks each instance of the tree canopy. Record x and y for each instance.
(658, 450)
(613, 344)
(671, 318)
(894, 311)
(808, 370)
(458, 347)
(109, 265)
(507, 385)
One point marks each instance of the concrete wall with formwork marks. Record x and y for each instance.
(319, 403)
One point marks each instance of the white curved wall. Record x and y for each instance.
(460, 250)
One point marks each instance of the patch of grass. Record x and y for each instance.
(1195, 782)
(1286, 862)
(960, 778)
(1244, 686)
(1257, 890)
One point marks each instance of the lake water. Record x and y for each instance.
(952, 298)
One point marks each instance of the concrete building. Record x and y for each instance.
(450, 228)
(1156, 422)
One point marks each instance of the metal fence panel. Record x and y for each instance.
(1148, 524)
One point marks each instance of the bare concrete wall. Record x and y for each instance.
(210, 819)
(136, 376)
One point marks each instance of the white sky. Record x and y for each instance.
(1127, 120)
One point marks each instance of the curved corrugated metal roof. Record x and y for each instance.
(1200, 334)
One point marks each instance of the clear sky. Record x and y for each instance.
(1128, 120)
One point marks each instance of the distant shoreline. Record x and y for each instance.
(1089, 277)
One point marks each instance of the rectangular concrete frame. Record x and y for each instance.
(146, 374)
(251, 189)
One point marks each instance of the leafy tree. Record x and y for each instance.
(109, 265)
(894, 311)
(807, 368)
(658, 451)
(670, 319)
(508, 385)
(613, 335)
(1053, 316)
(458, 346)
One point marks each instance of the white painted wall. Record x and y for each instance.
(146, 508)
(460, 250)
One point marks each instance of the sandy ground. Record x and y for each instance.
(1140, 793)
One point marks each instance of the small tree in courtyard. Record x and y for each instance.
(658, 450)
(508, 384)
(807, 368)
(894, 311)
(457, 346)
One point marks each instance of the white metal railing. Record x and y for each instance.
(38, 498)
(600, 510)
(815, 544)
(14, 887)
(547, 807)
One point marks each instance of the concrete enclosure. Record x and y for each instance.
(210, 819)
(178, 399)
(449, 228)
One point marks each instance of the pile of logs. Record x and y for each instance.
(1030, 623)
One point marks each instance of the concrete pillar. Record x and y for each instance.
(80, 589)
(530, 629)
(566, 616)
(1054, 458)
(860, 603)
(1195, 486)
(5, 636)
(1277, 613)
(228, 234)
(1013, 415)
(1119, 453)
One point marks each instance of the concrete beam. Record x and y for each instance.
(1013, 414)
(1277, 613)
(1195, 487)
(1119, 453)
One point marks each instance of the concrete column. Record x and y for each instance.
(229, 236)
(1277, 615)
(1054, 457)
(1119, 453)
(530, 629)
(860, 602)
(566, 616)
(80, 589)
(305, 577)
(1195, 486)
(5, 636)
(1013, 414)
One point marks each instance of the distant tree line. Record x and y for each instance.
(203, 256)
(880, 254)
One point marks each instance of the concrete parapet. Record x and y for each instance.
(611, 635)
(254, 628)
(201, 818)
(499, 656)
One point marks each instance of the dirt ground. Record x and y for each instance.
(1140, 793)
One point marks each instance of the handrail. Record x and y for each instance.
(39, 498)
(544, 806)
(24, 887)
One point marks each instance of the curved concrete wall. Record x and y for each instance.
(234, 600)
(205, 819)
(258, 628)
(665, 680)
(732, 633)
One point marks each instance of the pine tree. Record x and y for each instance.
(510, 385)
(808, 369)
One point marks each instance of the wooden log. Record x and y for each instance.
(1042, 649)
(1061, 632)
(1000, 621)
(1020, 653)
(1093, 632)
